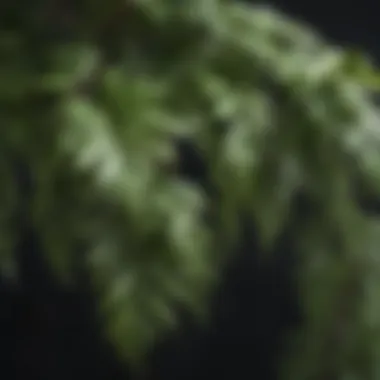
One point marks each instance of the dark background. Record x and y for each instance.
(49, 333)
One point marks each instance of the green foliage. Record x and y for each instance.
(93, 96)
